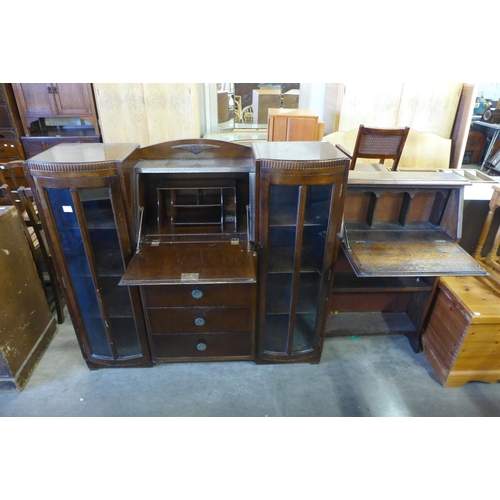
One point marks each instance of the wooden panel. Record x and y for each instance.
(424, 107)
(171, 110)
(27, 326)
(370, 103)
(429, 107)
(74, 99)
(425, 151)
(302, 129)
(147, 113)
(34, 99)
(191, 263)
(276, 129)
(122, 112)
(412, 253)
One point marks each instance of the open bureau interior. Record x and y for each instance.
(400, 233)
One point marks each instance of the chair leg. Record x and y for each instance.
(56, 291)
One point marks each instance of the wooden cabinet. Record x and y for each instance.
(55, 100)
(300, 204)
(10, 126)
(400, 234)
(294, 125)
(81, 194)
(27, 325)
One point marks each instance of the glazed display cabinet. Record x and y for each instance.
(84, 209)
(301, 199)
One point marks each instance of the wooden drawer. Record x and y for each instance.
(199, 346)
(11, 150)
(199, 319)
(198, 295)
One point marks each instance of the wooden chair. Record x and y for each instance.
(491, 261)
(238, 117)
(31, 215)
(461, 336)
(22, 199)
(247, 114)
(377, 143)
(13, 174)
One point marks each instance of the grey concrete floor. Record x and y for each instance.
(365, 376)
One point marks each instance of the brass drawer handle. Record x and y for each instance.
(201, 346)
(197, 294)
(199, 321)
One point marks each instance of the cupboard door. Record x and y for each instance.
(73, 99)
(35, 99)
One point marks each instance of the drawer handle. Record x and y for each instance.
(197, 294)
(199, 321)
(201, 346)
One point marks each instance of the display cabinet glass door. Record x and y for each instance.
(297, 249)
(95, 249)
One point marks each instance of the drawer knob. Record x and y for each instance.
(201, 346)
(199, 321)
(197, 294)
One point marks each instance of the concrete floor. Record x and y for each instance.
(365, 376)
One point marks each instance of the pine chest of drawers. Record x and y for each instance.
(462, 337)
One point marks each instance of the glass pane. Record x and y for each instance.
(282, 236)
(313, 251)
(78, 267)
(105, 243)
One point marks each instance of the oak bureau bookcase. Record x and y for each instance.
(162, 248)
(205, 250)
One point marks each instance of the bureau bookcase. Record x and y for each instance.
(205, 250)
